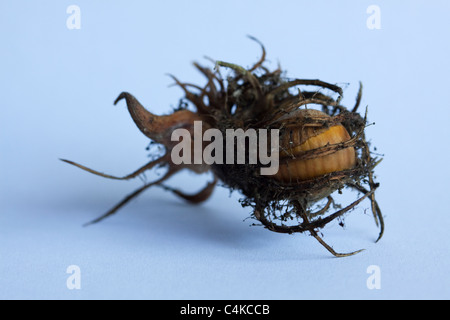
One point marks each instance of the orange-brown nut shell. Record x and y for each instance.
(303, 138)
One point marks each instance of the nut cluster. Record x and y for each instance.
(320, 151)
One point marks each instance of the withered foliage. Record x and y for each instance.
(258, 98)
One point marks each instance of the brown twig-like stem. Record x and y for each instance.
(197, 198)
(136, 173)
(131, 196)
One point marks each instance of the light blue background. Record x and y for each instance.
(57, 88)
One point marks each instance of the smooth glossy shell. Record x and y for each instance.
(304, 138)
